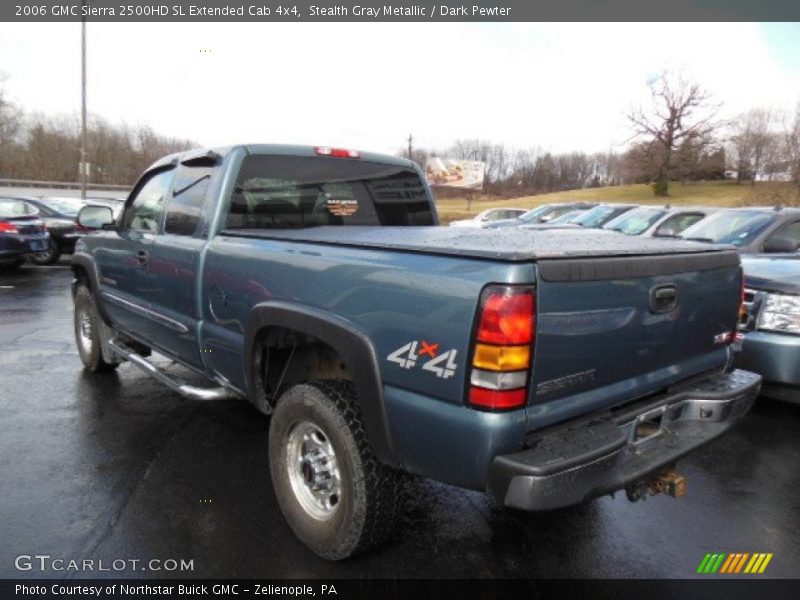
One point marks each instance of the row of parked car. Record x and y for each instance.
(767, 237)
(41, 229)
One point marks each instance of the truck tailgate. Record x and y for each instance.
(611, 330)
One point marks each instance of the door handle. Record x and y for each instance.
(142, 257)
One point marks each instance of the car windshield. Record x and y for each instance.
(567, 217)
(535, 213)
(735, 227)
(64, 206)
(596, 216)
(10, 208)
(636, 221)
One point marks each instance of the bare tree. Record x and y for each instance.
(791, 149)
(754, 143)
(680, 110)
(9, 126)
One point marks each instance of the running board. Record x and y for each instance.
(184, 389)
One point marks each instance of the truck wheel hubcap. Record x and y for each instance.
(85, 330)
(313, 470)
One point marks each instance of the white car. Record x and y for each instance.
(487, 216)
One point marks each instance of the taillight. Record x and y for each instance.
(6, 227)
(503, 351)
(336, 152)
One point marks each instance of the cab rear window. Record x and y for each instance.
(294, 192)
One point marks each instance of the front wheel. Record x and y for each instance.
(335, 495)
(87, 332)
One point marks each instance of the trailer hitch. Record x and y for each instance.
(667, 481)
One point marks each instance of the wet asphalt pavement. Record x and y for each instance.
(117, 467)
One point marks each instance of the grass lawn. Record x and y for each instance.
(716, 193)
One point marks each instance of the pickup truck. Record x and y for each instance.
(545, 368)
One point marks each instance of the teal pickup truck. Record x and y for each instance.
(542, 367)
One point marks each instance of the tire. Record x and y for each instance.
(49, 257)
(361, 498)
(87, 332)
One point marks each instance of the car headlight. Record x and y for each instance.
(780, 312)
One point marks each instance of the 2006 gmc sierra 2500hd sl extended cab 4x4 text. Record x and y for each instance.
(543, 367)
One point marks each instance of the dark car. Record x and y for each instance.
(771, 325)
(752, 230)
(22, 233)
(541, 214)
(60, 218)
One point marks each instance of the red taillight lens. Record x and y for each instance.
(336, 152)
(497, 399)
(507, 317)
(6, 227)
(503, 351)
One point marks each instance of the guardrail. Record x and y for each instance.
(65, 185)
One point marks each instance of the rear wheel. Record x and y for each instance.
(48, 257)
(87, 332)
(337, 498)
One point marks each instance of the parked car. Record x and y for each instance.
(489, 216)
(314, 283)
(542, 214)
(593, 218)
(658, 221)
(771, 324)
(60, 218)
(752, 230)
(22, 233)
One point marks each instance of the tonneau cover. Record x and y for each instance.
(508, 244)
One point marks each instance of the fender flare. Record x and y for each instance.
(353, 346)
(85, 262)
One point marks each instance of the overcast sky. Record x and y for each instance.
(368, 85)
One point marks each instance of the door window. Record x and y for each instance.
(187, 199)
(145, 211)
(790, 232)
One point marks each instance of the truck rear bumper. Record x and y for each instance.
(589, 457)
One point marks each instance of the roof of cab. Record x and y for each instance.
(274, 149)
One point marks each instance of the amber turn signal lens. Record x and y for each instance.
(501, 358)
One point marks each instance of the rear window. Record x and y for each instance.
(15, 208)
(295, 192)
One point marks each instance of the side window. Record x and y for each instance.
(185, 204)
(144, 213)
(677, 223)
(790, 232)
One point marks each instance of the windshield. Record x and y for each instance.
(636, 221)
(535, 213)
(567, 217)
(64, 206)
(735, 227)
(596, 216)
(10, 209)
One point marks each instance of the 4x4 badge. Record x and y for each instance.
(442, 365)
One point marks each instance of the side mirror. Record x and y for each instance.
(96, 217)
(780, 245)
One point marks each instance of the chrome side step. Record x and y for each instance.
(184, 389)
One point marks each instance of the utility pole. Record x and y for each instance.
(410, 139)
(83, 102)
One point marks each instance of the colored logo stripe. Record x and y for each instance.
(736, 562)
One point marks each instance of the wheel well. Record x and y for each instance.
(81, 276)
(287, 357)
